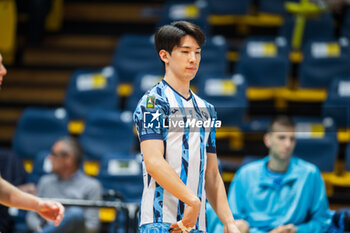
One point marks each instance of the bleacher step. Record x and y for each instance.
(111, 12)
(86, 42)
(34, 96)
(37, 77)
(66, 58)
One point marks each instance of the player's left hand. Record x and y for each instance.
(231, 228)
(290, 228)
(51, 210)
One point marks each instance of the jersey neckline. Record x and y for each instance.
(187, 99)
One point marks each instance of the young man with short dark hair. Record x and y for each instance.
(179, 157)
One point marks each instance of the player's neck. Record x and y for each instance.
(178, 84)
(277, 165)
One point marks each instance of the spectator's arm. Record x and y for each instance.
(319, 212)
(236, 197)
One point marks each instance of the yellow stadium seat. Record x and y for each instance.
(107, 214)
(8, 25)
(55, 17)
(91, 168)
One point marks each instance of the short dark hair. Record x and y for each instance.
(74, 148)
(169, 36)
(282, 120)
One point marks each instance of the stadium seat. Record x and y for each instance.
(193, 11)
(38, 129)
(316, 142)
(228, 7)
(213, 57)
(8, 25)
(107, 131)
(316, 28)
(347, 157)
(122, 173)
(135, 54)
(323, 61)
(228, 95)
(345, 31)
(91, 88)
(143, 82)
(264, 62)
(337, 104)
(273, 6)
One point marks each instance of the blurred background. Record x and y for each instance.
(79, 67)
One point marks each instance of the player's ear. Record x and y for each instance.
(267, 140)
(164, 56)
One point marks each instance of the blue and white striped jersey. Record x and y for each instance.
(187, 127)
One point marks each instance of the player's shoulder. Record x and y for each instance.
(252, 167)
(210, 107)
(304, 166)
(154, 98)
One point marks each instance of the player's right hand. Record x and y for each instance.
(189, 218)
(51, 210)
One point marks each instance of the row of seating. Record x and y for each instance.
(111, 132)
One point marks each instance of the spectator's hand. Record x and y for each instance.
(189, 219)
(231, 228)
(51, 210)
(290, 228)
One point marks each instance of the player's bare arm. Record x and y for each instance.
(12, 196)
(166, 177)
(216, 194)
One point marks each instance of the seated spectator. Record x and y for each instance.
(67, 181)
(280, 193)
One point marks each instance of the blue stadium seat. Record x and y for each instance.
(143, 82)
(135, 54)
(264, 62)
(38, 129)
(316, 142)
(323, 61)
(195, 12)
(337, 104)
(273, 6)
(107, 131)
(42, 166)
(316, 28)
(91, 88)
(346, 24)
(228, 95)
(213, 57)
(347, 157)
(229, 7)
(123, 174)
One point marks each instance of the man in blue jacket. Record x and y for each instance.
(280, 193)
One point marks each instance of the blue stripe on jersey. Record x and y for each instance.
(158, 204)
(201, 169)
(185, 155)
(202, 158)
(158, 198)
